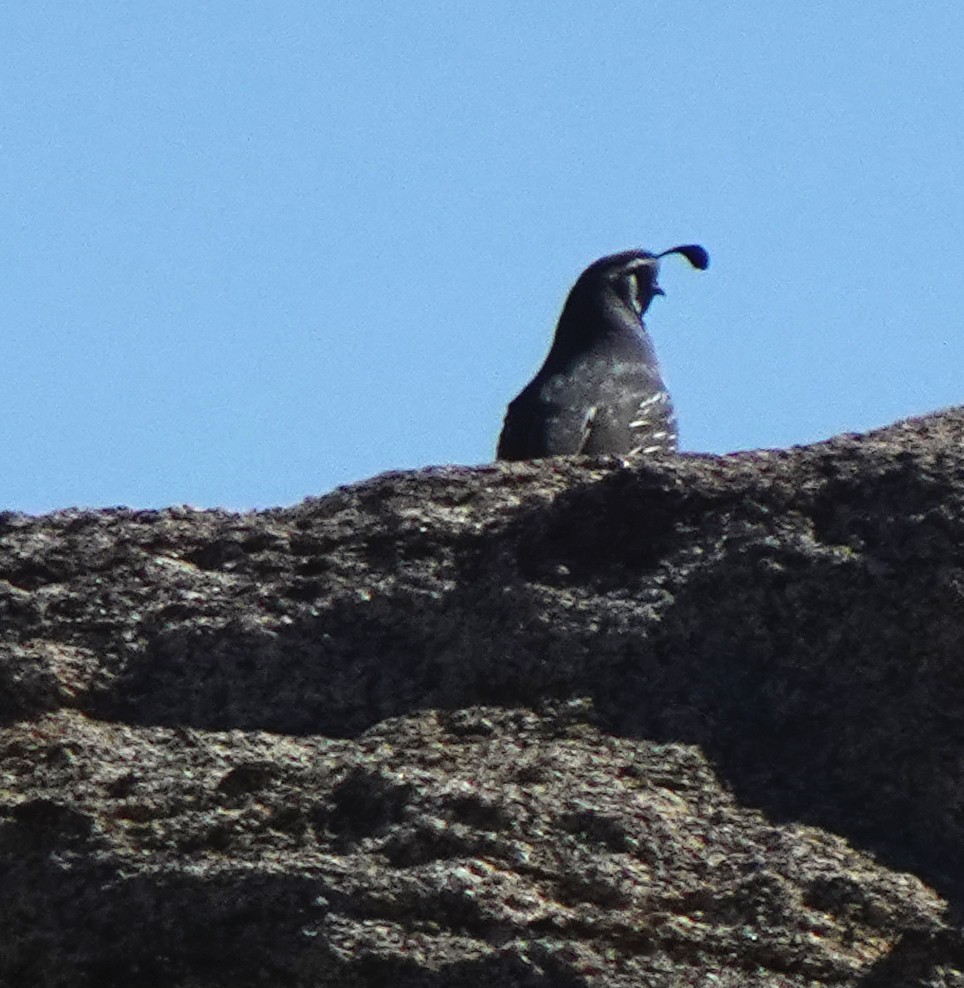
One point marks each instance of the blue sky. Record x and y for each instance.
(254, 250)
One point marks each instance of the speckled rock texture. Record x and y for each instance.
(690, 721)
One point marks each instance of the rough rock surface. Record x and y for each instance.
(697, 721)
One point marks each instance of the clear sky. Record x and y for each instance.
(253, 250)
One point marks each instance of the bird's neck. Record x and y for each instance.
(604, 321)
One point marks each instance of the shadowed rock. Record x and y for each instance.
(563, 723)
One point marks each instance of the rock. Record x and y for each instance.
(687, 721)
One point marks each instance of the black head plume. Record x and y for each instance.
(693, 253)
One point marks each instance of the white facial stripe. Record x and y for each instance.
(630, 267)
(641, 262)
(628, 271)
(634, 293)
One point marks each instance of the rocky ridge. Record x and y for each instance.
(691, 721)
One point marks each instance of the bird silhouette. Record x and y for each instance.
(599, 389)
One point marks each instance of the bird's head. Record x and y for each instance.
(630, 277)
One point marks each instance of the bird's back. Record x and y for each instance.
(609, 399)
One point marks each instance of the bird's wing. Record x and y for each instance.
(541, 421)
(523, 432)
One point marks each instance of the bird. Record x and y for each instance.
(600, 389)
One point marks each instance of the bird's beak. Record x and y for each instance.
(657, 290)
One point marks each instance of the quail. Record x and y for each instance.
(599, 389)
